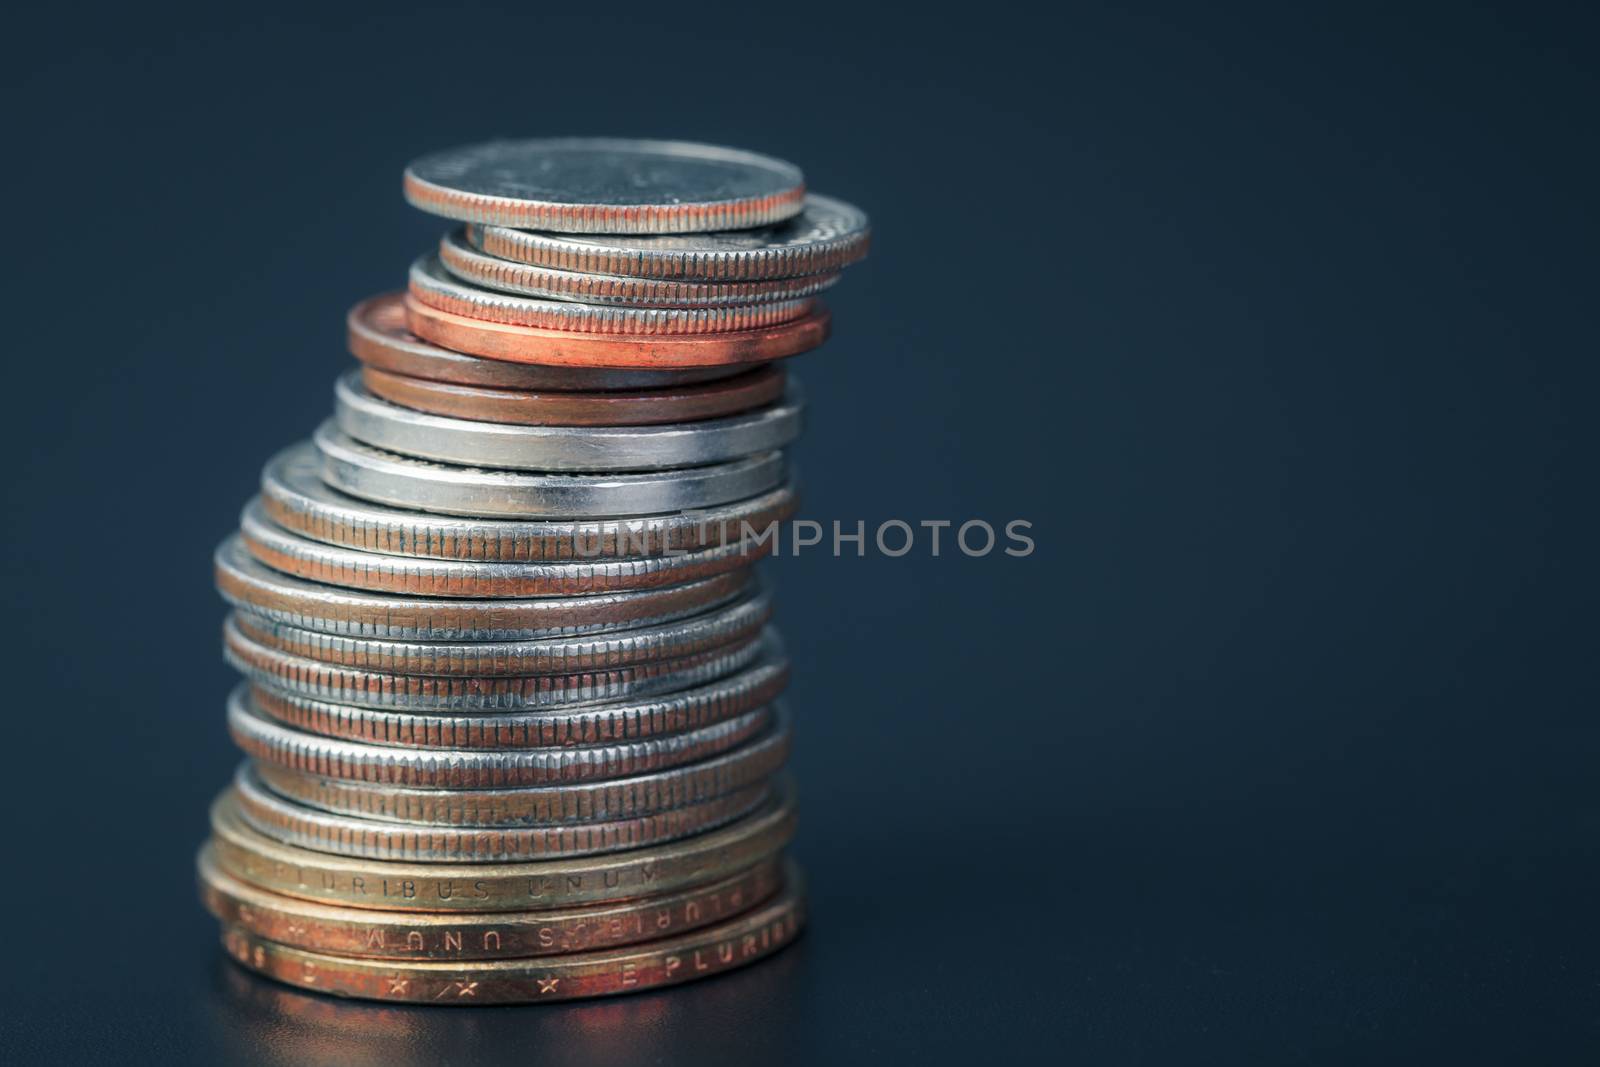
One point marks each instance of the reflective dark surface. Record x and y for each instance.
(1278, 324)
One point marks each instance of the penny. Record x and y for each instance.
(651, 407)
(464, 261)
(384, 885)
(378, 336)
(582, 449)
(605, 185)
(250, 586)
(402, 481)
(631, 969)
(347, 835)
(513, 787)
(572, 348)
(346, 685)
(826, 236)
(423, 576)
(740, 620)
(436, 287)
(365, 933)
(468, 734)
(295, 498)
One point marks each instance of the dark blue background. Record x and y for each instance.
(1277, 322)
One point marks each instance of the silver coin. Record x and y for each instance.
(636, 764)
(347, 685)
(721, 626)
(464, 261)
(533, 787)
(347, 835)
(750, 687)
(438, 288)
(386, 478)
(374, 421)
(422, 576)
(251, 586)
(605, 185)
(827, 235)
(295, 497)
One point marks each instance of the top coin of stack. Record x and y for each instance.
(510, 707)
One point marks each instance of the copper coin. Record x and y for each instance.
(650, 407)
(378, 336)
(568, 348)
(493, 935)
(697, 954)
(385, 885)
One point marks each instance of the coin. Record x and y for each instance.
(605, 185)
(346, 835)
(739, 620)
(573, 348)
(372, 934)
(403, 481)
(423, 576)
(582, 449)
(467, 734)
(250, 586)
(464, 261)
(295, 498)
(631, 969)
(436, 287)
(513, 786)
(652, 407)
(827, 235)
(376, 689)
(379, 337)
(384, 885)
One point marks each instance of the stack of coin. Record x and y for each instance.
(510, 707)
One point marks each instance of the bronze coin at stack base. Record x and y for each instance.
(725, 624)
(687, 709)
(563, 882)
(369, 934)
(572, 348)
(301, 507)
(564, 782)
(637, 407)
(433, 576)
(515, 799)
(379, 336)
(295, 824)
(699, 953)
(250, 586)
(378, 689)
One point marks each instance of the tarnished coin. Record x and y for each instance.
(651, 407)
(740, 620)
(698, 954)
(375, 689)
(584, 449)
(403, 481)
(379, 337)
(252, 587)
(574, 348)
(436, 287)
(472, 887)
(530, 785)
(605, 185)
(346, 835)
(826, 236)
(363, 932)
(600, 724)
(295, 498)
(464, 261)
(422, 576)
